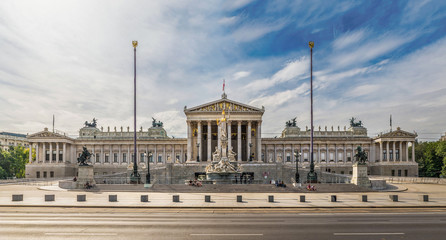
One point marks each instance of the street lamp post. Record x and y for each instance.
(297, 157)
(198, 152)
(134, 177)
(312, 175)
(148, 167)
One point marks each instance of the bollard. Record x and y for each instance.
(207, 198)
(333, 198)
(112, 198)
(423, 198)
(82, 198)
(239, 198)
(144, 198)
(363, 198)
(17, 197)
(393, 198)
(271, 198)
(176, 198)
(302, 198)
(49, 198)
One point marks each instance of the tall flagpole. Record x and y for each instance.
(135, 177)
(312, 175)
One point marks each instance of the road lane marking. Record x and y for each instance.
(80, 234)
(226, 234)
(365, 234)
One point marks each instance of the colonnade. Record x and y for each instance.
(60, 156)
(322, 152)
(391, 150)
(230, 123)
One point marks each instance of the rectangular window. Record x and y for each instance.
(151, 158)
(115, 157)
(331, 157)
(397, 153)
(323, 157)
(60, 156)
(405, 173)
(393, 172)
(340, 157)
(305, 157)
(54, 155)
(141, 158)
(349, 157)
(44, 174)
(106, 157)
(288, 157)
(37, 174)
(133, 157)
(390, 154)
(160, 158)
(124, 157)
(98, 157)
(385, 156)
(51, 174)
(177, 158)
(47, 155)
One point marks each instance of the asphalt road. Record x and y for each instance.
(112, 223)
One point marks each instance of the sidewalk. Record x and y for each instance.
(35, 196)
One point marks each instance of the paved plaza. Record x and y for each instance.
(408, 196)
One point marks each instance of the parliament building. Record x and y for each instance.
(173, 160)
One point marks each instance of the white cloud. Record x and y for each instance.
(348, 39)
(241, 74)
(252, 31)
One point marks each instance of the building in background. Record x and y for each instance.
(12, 139)
(173, 160)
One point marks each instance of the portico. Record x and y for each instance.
(244, 124)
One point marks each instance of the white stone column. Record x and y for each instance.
(110, 157)
(239, 141)
(380, 151)
(37, 152)
(327, 157)
(393, 152)
(57, 152)
(209, 141)
(336, 154)
(182, 153)
(218, 137)
(155, 155)
(387, 151)
(344, 158)
(129, 157)
(319, 153)
(189, 141)
(119, 154)
(413, 151)
(173, 157)
(164, 153)
(407, 150)
(30, 153)
(200, 146)
(64, 150)
(292, 153)
(275, 153)
(400, 153)
(51, 152)
(259, 142)
(248, 140)
(102, 158)
(283, 153)
(229, 135)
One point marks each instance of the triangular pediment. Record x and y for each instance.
(47, 134)
(398, 134)
(224, 104)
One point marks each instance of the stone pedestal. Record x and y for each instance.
(360, 177)
(85, 174)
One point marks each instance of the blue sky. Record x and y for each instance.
(371, 59)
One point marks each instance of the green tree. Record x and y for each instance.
(431, 158)
(13, 162)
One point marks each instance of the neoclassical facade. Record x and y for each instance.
(175, 159)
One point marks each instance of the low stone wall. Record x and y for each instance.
(419, 180)
(67, 184)
(378, 184)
